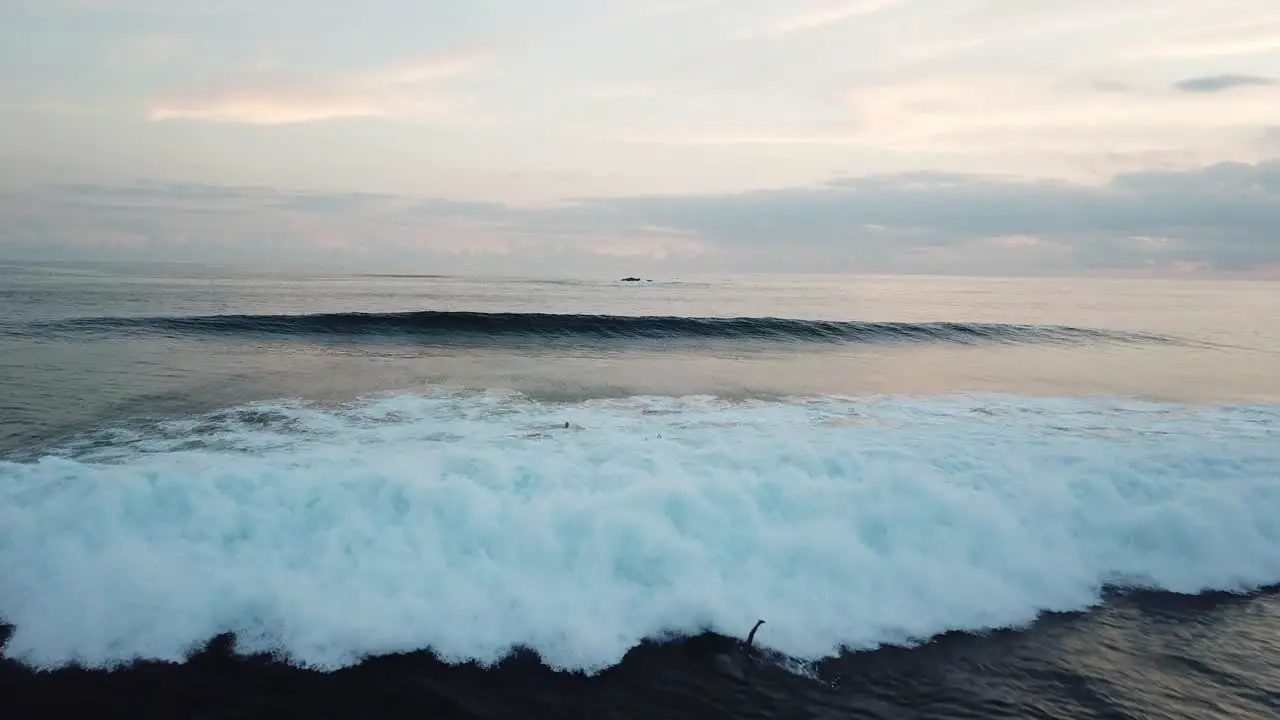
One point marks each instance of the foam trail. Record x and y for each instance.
(472, 523)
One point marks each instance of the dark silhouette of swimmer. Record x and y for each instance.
(566, 424)
(751, 636)
(733, 663)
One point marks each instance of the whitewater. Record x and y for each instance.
(473, 523)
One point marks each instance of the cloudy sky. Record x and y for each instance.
(656, 136)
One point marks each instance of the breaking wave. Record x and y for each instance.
(444, 326)
(473, 524)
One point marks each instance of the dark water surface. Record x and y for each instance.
(504, 497)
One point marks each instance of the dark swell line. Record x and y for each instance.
(440, 326)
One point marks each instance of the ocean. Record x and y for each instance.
(228, 493)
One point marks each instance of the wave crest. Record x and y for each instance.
(443, 326)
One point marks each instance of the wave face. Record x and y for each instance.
(472, 524)
(472, 326)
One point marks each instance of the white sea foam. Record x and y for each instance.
(472, 523)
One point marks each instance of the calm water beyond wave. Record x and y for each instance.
(233, 494)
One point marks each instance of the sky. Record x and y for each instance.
(664, 137)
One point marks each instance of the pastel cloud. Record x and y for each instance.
(1245, 38)
(987, 114)
(947, 112)
(275, 97)
(821, 15)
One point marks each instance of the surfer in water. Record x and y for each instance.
(751, 636)
(734, 663)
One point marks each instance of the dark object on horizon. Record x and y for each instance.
(751, 636)
(634, 279)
